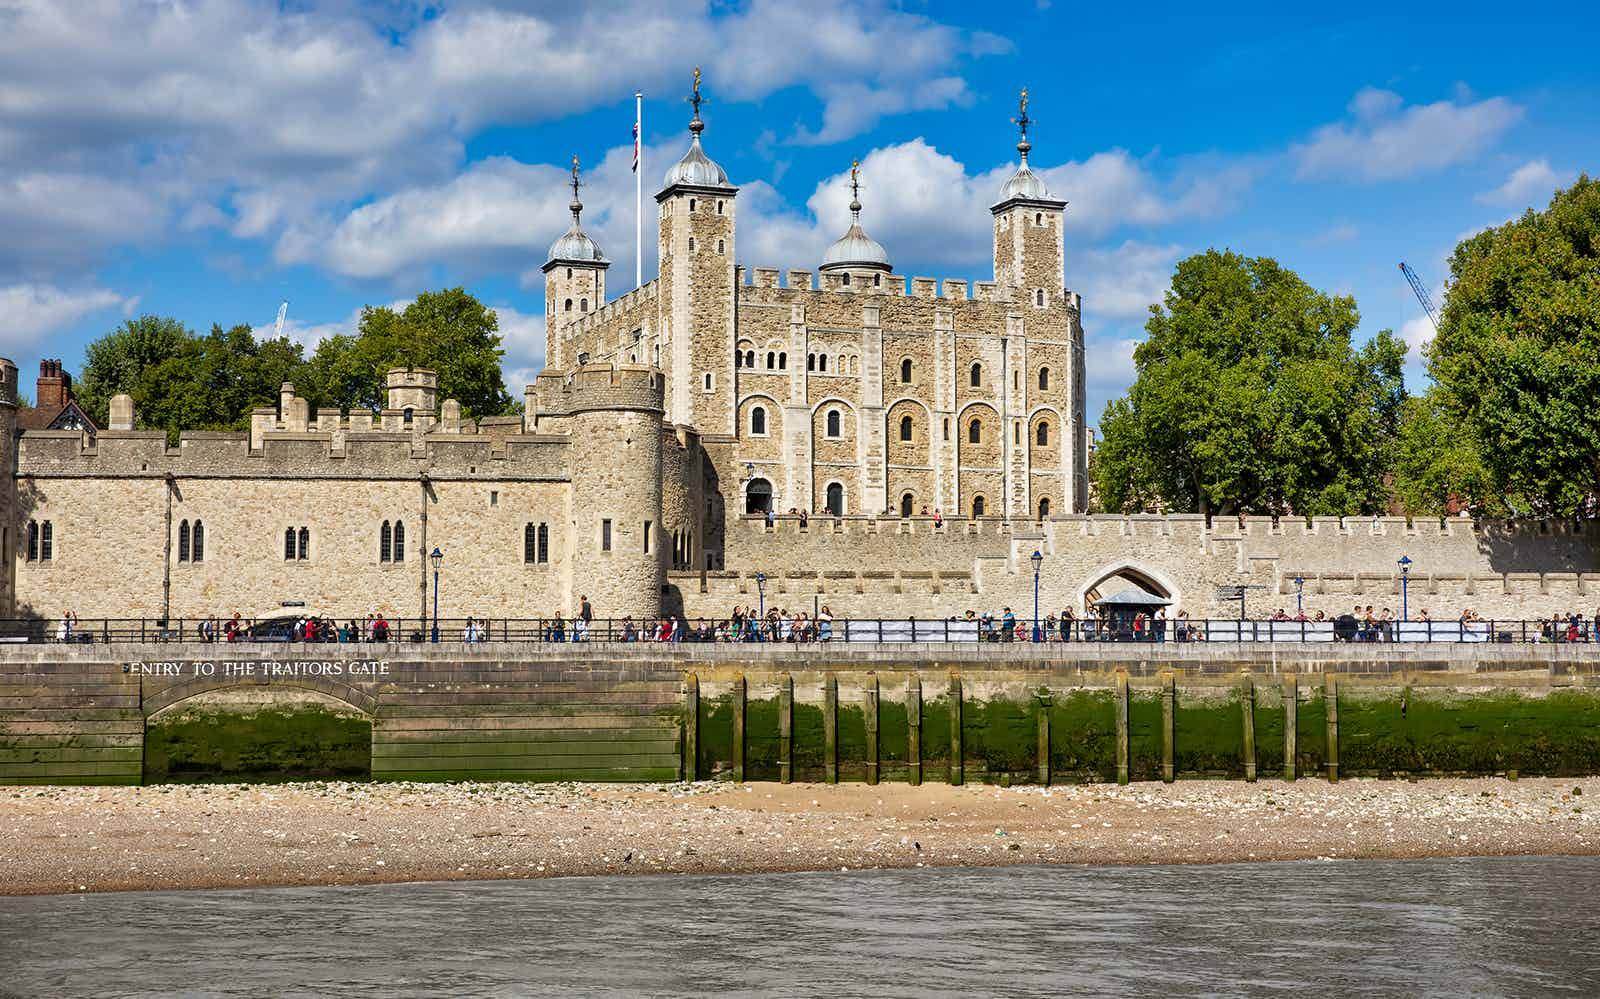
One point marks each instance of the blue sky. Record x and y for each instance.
(207, 160)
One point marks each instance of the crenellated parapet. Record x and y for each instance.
(567, 391)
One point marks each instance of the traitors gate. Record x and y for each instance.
(1035, 713)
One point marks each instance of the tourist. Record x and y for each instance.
(1069, 624)
(824, 624)
(769, 517)
(380, 628)
(470, 633)
(1008, 625)
(64, 628)
(803, 518)
(1161, 624)
(938, 518)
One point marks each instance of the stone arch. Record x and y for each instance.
(916, 450)
(1143, 574)
(176, 693)
(774, 415)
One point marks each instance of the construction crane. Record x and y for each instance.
(283, 311)
(1422, 294)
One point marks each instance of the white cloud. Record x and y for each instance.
(1533, 183)
(33, 311)
(1388, 140)
(1417, 333)
(1342, 232)
(1108, 365)
(1122, 282)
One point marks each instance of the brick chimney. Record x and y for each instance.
(54, 388)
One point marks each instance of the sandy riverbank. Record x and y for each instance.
(190, 836)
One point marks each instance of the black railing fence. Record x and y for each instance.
(871, 630)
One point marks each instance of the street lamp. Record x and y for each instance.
(1405, 577)
(1037, 558)
(1299, 590)
(437, 558)
(761, 601)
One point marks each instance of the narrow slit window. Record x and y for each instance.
(605, 535)
(399, 541)
(183, 541)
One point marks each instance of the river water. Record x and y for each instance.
(1501, 926)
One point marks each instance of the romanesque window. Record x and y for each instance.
(749, 358)
(905, 428)
(710, 382)
(408, 416)
(977, 506)
(1044, 507)
(183, 541)
(1041, 434)
(569, 305)
(1044, 379)
(822, 362)
(847, 279)
(583, 305)
(719, 207)
(783, 360)
(691, 208)
(1038, 218)
(399, 541)
(908, 503)
(758, 421)
(691, 244)
(772, 360)
(975, 432)
(385, 543)
(720, 247)
(835, 500)
(1038, 297)
(811, 362)
(977, 375)
(877, 280)
(905, 372)
(197, 549)
(833, 423)
(738, 358)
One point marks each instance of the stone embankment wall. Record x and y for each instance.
(120, 715)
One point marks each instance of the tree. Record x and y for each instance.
(1517, 362)
(1250, 398)
(121, 360)
(1437, 464)
(448, 331)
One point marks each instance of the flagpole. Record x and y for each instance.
(638, 190)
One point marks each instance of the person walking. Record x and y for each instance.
(585, 619)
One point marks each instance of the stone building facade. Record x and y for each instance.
(668, 422)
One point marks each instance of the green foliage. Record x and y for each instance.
(183, 381)
(1517, 358)
(1437, 461)
(1250, 398)
(448, 331)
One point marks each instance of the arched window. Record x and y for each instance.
(583, 305)
(905, 428)
(719, 207)
(33, 541)
(530, 544)
(783, 360)
(304, 540)
(835, 502)
(905, 372)
(833, 423)
(47, 541)
(977, 506)
(1041, 434)
(569, 273)
(811, 362)
(197, 548)
(691, 244)
(847, 279)
(757, 496)
(738, 358)
(569, 305)
(1044, 379)
(544, 543)
(1044, 507)
(407, 416)
(1038, 297)
(691, 204)
(758, 421)
(772, 360)
(385, 543)
(877, 280)
(822, 362)
(399, 541)
(749, 358)
(975, 432)
(183, 541)
(720, 247)
(908, 503)
(977, 375)
(288, 544)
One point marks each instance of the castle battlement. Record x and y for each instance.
(613, 310)
(891, 286)
(563, 391)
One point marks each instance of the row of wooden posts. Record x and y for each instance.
(830, 727)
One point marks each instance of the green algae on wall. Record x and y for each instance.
(1405, 731)
(206, 743)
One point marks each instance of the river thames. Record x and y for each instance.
(1481, 926)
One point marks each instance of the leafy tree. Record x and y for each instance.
(1250, 398)
(1437, 461)
(121, 361)
(449, 331)
(1517, 363)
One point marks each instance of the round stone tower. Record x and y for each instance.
(615, 534)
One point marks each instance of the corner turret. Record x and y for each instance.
(1028, 238)
(574, 279)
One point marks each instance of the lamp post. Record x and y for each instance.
(437, 558)
(761, 594)
(1299, 590)
(1405, 578)
(1037, 558)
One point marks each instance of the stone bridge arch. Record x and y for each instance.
(154, 701)
(1129, 571)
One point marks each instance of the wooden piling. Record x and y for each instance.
(1045, 701)
(1291, 713)
(870, 709)
(1122, 727)
(691, 727)
(1247, 713)
(1330, 700)
(1169, 699)
(914, 729)
(956, 769)
(786, 729)
(738, 698)
(830, 728)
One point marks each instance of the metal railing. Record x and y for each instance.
(402, 631)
